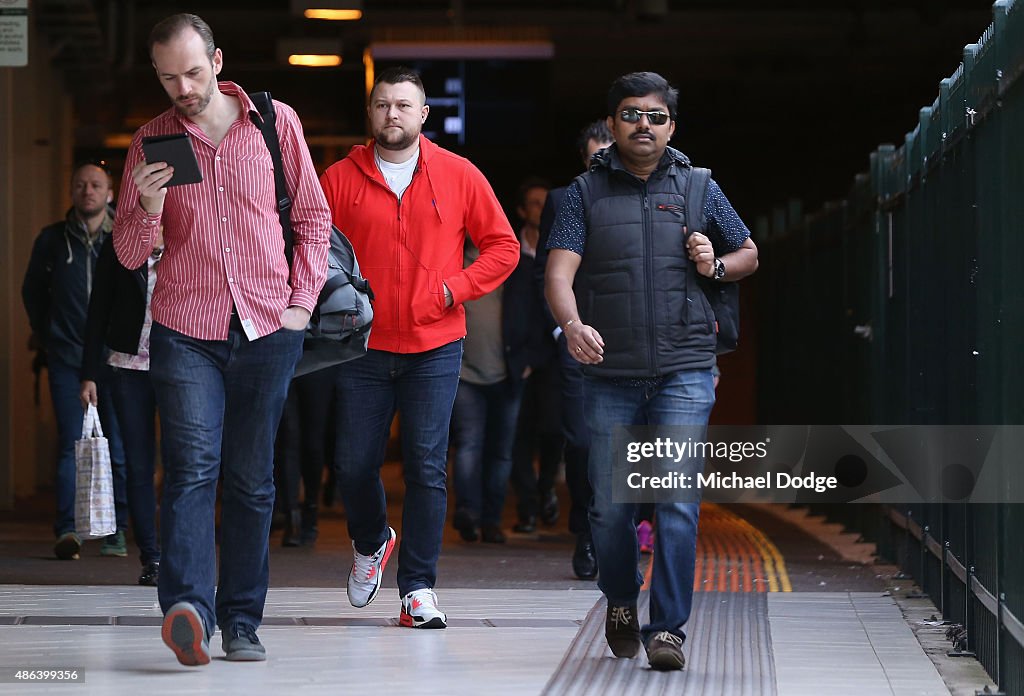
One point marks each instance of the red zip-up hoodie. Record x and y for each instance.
(410, 250)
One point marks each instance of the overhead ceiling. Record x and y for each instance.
(758, 78)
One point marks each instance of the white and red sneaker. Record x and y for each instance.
(365, 577)
(419, 610)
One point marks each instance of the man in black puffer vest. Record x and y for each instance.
(621, 281)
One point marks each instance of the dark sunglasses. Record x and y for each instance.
(633, 114)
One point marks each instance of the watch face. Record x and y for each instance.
(719, 269)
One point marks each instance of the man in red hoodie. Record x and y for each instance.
(407, 205)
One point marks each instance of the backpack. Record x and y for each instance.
(339, 327)
(723, 296)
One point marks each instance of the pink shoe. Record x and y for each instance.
(645, 536)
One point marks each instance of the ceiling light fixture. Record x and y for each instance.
(333, 15)
(309, 52)
(334, 10)
(311, 60)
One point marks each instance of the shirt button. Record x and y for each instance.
(227, 249)
(231, 280)
(223, 219)
(217, 158)
(220, 188)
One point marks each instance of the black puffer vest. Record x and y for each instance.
(635, 284)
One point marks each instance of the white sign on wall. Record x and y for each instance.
(13, 33)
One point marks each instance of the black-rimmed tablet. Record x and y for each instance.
(176, 150)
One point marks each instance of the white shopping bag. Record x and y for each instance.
(94, 483)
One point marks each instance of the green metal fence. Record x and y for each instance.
(909, 309)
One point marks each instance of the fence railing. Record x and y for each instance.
(910, 310)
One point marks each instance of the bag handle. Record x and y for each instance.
(91, 423)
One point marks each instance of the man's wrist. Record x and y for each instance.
(566, 325)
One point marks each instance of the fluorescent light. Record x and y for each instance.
(337, 10)
(334, 15)
(311, 60)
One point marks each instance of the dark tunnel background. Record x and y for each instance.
(782, 100)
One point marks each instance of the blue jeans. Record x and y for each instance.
(483, 432)
(577, 440)
(684, 398)
(135, 404)
(421, 387)
(65, 386)
(220, 403)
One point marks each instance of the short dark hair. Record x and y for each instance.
(596, 131)
(397, 74)
(640, 84)
(528, 183)
(169, 28)
(98, 163)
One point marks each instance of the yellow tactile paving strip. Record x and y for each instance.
(734, 556)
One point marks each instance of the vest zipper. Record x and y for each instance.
(649, 282)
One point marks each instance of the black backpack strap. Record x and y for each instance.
(265, 119)
(696, 191)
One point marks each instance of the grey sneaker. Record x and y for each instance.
(622, 630)
(665, 651)
(241, 644)
(184, 633)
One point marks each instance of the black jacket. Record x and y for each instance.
(522, 327)
(117, 311)
(57, 284)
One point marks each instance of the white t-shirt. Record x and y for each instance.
(398, 176)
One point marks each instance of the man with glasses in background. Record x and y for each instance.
(645, 334)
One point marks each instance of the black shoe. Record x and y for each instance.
(622, 630)
(292, 529)
(463, 522)
(665, 651)
(492, 534)
(310, 531)
(525, 525)
(67, 547)
(150, 574)
(584, 560)
(549, 509)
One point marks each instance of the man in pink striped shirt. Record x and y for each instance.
(228, 320)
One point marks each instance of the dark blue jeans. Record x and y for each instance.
(684, 398)
(577, 440)
(220, 403)
(421, 387)
(483, 432)
(65, 387)
(135, 403)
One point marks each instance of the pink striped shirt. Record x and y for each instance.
(222, 238)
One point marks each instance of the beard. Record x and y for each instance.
(396, 138)
(86, 211)
(200, 105)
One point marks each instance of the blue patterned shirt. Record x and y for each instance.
(725, 228)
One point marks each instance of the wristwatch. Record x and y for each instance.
(719, 269)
